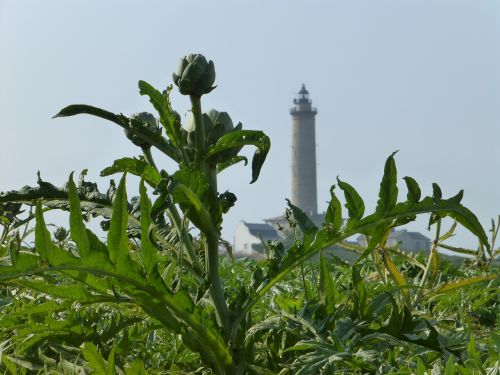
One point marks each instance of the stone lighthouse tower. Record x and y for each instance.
(304, 193)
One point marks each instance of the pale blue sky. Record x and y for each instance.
(422, 77)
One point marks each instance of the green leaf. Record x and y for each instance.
(92, 201)
(43, 242)
(452, 208)
(333, 214)
(117, 235)
(195, 198)
(414, 192)
(459, 250)
(396, 321)
(436, 192)
(434, 266)
(48, 307)
(396, 275)
(448, 287)
(137, 167)
(450, 366)
(388, 194)
(196, 181)
(376, 235)
(305, 224)
(259, 157)
(73, 292)
(161, 102)
(327, 288)
(472, 350)
(15, 365)
(42, 235)
(78, 231)
(135, 368)
(408, 257)
(199, 215)
(360, 293)
(354, 204)
(95, 360)
(111, 362)
(240, 138)
(148, 251)
(235, 160)
(135, 127)
(77, 109)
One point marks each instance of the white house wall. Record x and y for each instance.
(243, 241)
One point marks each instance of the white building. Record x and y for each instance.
(248, 239)
(408, 241)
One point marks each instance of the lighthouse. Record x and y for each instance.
(304, 194)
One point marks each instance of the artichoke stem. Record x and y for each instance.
(148, 156)
(199, 132)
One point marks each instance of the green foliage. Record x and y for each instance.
(153, 298)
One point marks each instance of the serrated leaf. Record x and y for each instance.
(199, 215)
(437, 195)
(235, 160)
(42, 235)
(333, 214)
(305, 224)
(360, 293)
(161, 102)
(145, 134)
(73, 292)
(148, 250)
(53, 254)
(450, 207)
(78, 231)
(388, 194)
(414, 192)
(459, 250)
(239, 138)
(396, 275)
(92, 201)
(447, 287)
(77, 109)
(354, 204)
(328, 291)
(47, 307)
(95, 360)
(111, 362)
(450, 366)
(137, 167)
(375, 237)
(434, 262)
(117, 234)
(409, 257)
(135, 368)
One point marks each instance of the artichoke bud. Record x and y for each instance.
(222, 124)
(226, 201)
(221, 118)
(195, 76)
(60, 234)
(10, 210)
(105, 225)
(148, 121)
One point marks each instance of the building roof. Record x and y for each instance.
(263, 230)
(303, 90)
(413, 235)
(317, 219)
(399, 235)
